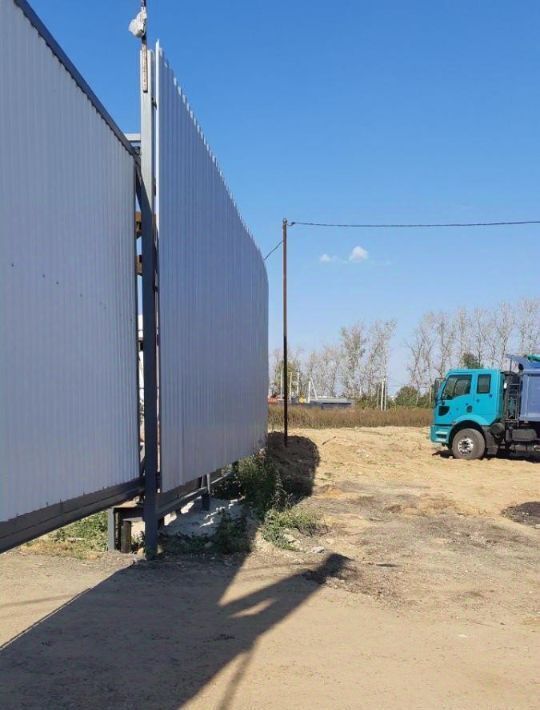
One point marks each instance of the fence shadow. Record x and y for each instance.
(296, 462)
(155, 634)
(151, 636)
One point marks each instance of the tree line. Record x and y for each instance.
(351, 367)
(480, 337)
(357, 364)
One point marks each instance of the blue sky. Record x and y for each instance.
(352, 111)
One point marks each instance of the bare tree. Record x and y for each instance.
(482, 336)
(444, 328)
(501, 333)
(422, 350)
(528, 325)
(480, 328)
(353, 348)
(462, 336)
(330, 364)
(415, 364)
(311, 367)
(378, 352)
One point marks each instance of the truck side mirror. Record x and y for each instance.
(436, 387)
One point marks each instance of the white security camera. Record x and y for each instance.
(137, 26)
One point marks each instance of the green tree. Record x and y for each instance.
(470, 361)
(407, 396)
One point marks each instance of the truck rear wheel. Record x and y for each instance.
(468, 444)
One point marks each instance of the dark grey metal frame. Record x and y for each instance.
(173, 500)
(30, 525)
(149, 297)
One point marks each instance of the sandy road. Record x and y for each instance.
(425, 596)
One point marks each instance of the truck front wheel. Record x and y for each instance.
(468, 444)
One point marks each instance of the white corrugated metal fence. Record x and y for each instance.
(68, 357)
(213, 304)
(69, 400)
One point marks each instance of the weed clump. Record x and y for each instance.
(230, 536)
(277, 523)
(272, 484)
(85, 539)
(258, 482)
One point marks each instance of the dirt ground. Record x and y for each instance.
(422, 593)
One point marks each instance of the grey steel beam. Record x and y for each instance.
(30, 525)
(149, 298)
(175, 499)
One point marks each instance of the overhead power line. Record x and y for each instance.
(406, 226)
(416, 226)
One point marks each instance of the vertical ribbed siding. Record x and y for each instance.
(213, 299)
(68, 387)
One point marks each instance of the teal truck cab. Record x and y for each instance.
(485, 411)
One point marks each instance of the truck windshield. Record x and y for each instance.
(457, 385)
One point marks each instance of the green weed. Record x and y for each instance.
(258, 482)
(85, 539)
(230, 536)
(277, 523)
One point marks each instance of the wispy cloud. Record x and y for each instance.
(358, 254)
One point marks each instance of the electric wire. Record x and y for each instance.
(417, 226)
(274, 249)
(406, 226)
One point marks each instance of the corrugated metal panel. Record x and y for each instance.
(530, 396)
(68, 358)
(213, 304)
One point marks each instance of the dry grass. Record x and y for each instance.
(315, 418)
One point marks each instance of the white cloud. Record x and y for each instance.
(358, 254)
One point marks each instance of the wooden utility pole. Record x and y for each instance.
(285, 363)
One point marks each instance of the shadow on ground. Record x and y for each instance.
(151, 636)
(531, 458)
(155, 634)
(296, 462)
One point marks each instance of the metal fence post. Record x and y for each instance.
(111, 530)
(149, 288)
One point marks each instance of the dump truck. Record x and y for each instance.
(479, 412)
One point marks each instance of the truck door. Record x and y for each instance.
(486, 403)
(456, 399)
